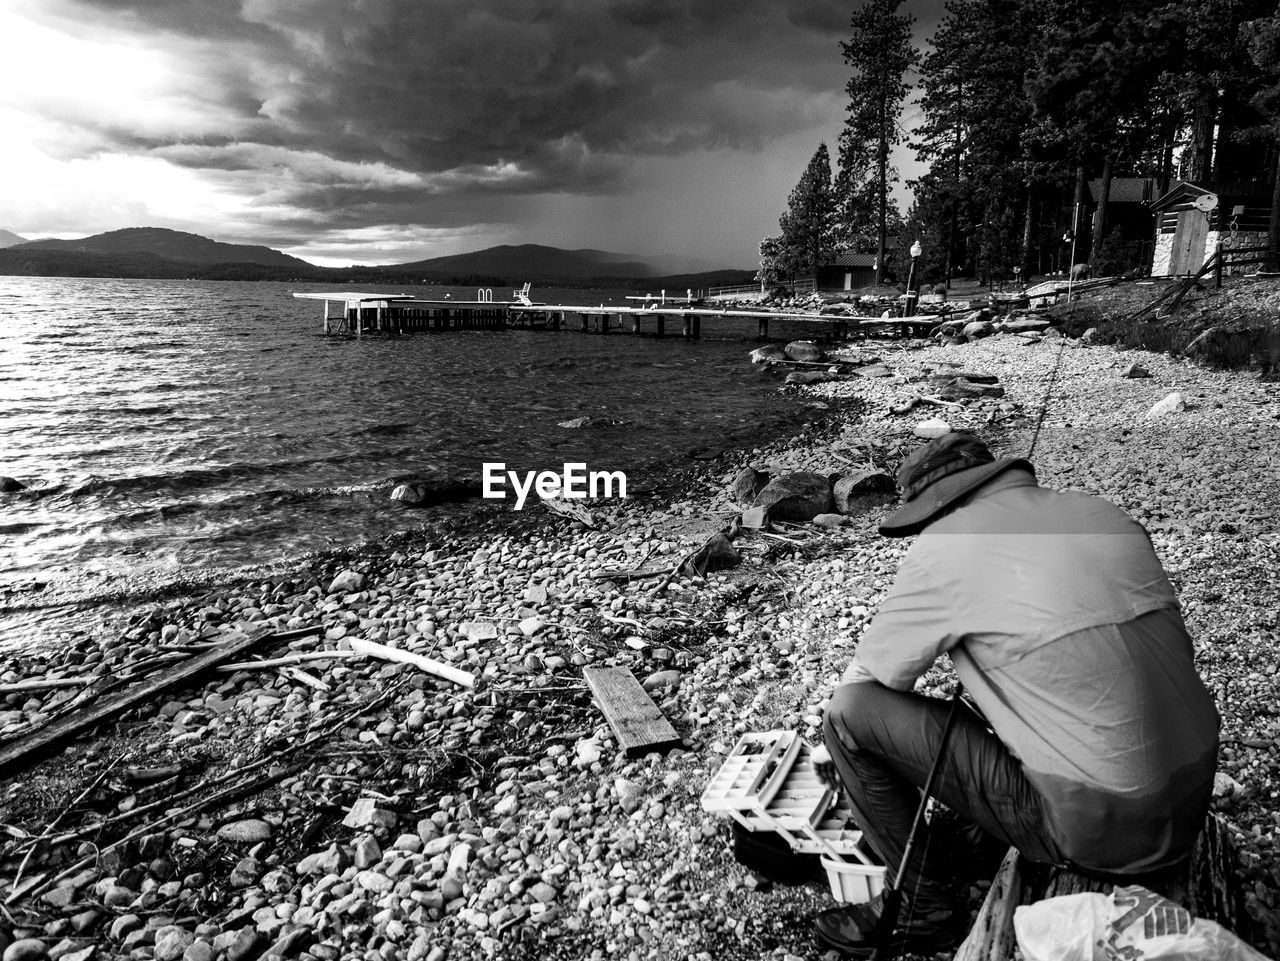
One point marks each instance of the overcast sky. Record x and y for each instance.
(384, 131)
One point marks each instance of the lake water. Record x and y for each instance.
(167, 428)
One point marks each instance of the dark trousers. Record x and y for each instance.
(884, 742)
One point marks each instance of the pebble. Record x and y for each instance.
(26, 949)
(249, 831)
(171, 943)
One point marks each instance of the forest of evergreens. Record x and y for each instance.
(1029, 111)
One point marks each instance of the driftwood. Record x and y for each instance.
(44, 683)
(432, 667)
(1205, 886)
(630, 575)
(570, 510)
(286, 661)
(302, 677)
(16, 754)
(242, 773)
(715, 553)
(919, 399)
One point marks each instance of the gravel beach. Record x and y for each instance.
(370, 810)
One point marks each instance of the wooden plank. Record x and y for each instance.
(635, 720)
(27, 749)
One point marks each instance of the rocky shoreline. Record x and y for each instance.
(355, 808)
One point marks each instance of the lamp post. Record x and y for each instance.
(913, 292)
(1070, 237)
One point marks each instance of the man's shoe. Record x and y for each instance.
(850, 929)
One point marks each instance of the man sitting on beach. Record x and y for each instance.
(1100, 741)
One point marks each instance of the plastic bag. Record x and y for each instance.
(1130, 924)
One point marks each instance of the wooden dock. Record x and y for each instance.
(362, 313)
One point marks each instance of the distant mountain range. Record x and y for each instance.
(537, 262)
(168, 245)
(157, 252)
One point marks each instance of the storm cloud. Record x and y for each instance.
(422, 116)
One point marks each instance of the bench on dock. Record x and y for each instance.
(1206, 885)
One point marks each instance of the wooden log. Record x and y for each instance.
(633, 717)
(17, 754)
(1205, 885)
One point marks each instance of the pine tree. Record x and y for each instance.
(808, 239)
(880, 53)
(1262, 37)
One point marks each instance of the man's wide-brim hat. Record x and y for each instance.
(939, 474)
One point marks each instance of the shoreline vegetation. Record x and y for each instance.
(349, 806)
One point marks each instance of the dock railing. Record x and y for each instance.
(734, 290)
(804, 286)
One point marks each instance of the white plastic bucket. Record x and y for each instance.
(851, 882)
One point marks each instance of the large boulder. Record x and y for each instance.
(11, 485)
(747, 485)
(768, 355)
(717, 554)
(977, 329)
(796, 497)
(859, 491)
(411, 494)
(805, 350)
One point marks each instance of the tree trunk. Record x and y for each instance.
(1075, 248)
(1028, 233)
(1273, 225)
(1165, 180)
(1203, 116)
(882, 161)
(1100, 217)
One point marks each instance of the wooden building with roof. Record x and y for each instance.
(850, 271)
(1192, 219)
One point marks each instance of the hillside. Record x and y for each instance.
(172, 245)
(8, 238)
(159, 253)
(533, 261)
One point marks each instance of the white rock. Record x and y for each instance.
(531, 626)
(588, 752)
(459, 858)
(366, 813)
(408, 493)
(1173, 404)
(933, 427)
(249, 831)
(479, 630)
(1225, 785)
(346, 583)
